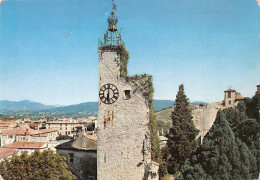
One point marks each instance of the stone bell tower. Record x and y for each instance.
(123, 146)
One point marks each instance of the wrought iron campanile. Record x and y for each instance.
(112, 36)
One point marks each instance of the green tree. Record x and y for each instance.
(252, 107)
(181, 138)
(38, 165)
(165, 126)
(247, 130)
(221, 155)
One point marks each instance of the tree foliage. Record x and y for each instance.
(181, 138)
(221, 155)
(247, 130)
(38, 165)
(252, 107)
(63, 137)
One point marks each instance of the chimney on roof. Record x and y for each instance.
(27, 131)
(79, 132)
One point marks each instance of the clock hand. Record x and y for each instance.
(108, 95)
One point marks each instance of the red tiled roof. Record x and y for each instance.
(60, 122)
(34, 124)
(47, 130)
(20, 131)
(6, 152)
(4, 127)
(4, 124)
(230, 90)
(9, 120)
(26, 145)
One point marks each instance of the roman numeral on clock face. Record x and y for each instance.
(108, 93)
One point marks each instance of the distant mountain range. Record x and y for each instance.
(78, 110)
(24, 105)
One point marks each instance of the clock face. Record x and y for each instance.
(108, 93)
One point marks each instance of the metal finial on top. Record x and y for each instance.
(112, 37)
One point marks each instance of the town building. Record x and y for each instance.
(4, 125)
(124, 142)
(25, 134)
(51, 134)
(27, 146)
(6, 153)
(35, 126)
(63, 127)
(232, 98)
(81, 155)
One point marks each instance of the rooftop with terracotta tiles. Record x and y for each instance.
(26, 145)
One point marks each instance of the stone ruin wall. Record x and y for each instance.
(204, 116)
(123, 147)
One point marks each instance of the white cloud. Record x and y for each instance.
(258, 2)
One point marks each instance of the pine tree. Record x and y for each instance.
(221, 156)
(181, 138)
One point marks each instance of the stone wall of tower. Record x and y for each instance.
(123, 148)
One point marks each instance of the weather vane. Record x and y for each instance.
(114, 6)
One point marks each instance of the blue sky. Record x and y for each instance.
(48, 48)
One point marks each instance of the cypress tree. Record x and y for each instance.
(181, 138)
(247, 130)
(221, 155)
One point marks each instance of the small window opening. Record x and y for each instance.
(229, 94)
(71, 155)
(127, 94)
(105, 158)
(229, 102)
